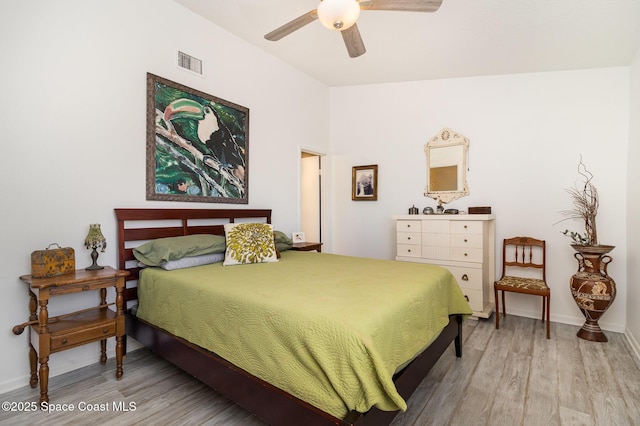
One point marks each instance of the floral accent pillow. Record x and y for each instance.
(249, 243)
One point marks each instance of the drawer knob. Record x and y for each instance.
(465, 277)
(409, 250)
(85, 287)
(64, 341)
(466, 254)
(465, 240)
(408, 238)
(466, 297)
(465, 227)
(105, 330)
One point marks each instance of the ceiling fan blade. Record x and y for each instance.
(402, 5)
(353, 41)
(292, 26)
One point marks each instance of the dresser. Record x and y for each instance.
(464, 244)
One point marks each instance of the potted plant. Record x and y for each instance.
(591, 287)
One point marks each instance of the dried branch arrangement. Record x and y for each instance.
(585, 207)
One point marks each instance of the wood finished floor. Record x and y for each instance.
(511, 376)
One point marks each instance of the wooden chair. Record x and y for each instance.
(519, 253)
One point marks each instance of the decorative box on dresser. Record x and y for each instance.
(462, 243)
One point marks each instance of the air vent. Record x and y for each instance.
(190, 63)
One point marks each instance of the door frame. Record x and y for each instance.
(323, 190)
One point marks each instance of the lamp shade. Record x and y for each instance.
(95, 239)
(338, 14)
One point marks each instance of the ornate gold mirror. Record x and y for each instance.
(447, 166)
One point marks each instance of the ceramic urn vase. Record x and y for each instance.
(592, 288)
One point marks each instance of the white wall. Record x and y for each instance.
(633, 210)
(73, 133)
(526, 135)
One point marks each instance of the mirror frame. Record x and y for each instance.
(446, 138)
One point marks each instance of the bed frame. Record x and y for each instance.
(267, 402)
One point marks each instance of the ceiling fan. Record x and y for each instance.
(341, 15)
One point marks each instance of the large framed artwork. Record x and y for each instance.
(197, 145)
(364, 183)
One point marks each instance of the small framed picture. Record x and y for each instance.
(298, 237)
(364, 183)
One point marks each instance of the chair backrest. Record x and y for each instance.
(524, 252)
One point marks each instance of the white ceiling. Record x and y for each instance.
(463, 38)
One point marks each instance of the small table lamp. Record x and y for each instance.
(95, 240)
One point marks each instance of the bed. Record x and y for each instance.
(246, 373)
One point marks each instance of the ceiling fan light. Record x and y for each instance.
(338, 15)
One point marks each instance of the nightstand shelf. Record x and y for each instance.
(96, 324)
(81, 328)
(307, 246)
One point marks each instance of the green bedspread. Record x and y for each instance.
(329, 329)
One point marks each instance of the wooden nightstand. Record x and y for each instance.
(309, 246)
(55, 334)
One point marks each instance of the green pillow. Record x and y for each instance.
(282, 241)
(157, 252)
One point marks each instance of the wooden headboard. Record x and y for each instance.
(136, 226)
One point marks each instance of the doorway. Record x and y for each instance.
(311, 195)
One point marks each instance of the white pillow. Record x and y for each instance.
(188, 262)
(249, 243)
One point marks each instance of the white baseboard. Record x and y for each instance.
(633, 342)
(59, 364)
(14, 384)
(566, 319)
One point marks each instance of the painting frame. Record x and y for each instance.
(364, 183)
(180, 166)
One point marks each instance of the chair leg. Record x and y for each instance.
(544, 307)
(548, 316)
(495, 291)
(504, 306)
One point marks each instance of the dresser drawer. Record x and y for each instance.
(408, 226)
(465, 227)
(466, 240)
(470, 278)
(463, 254)
(408, 250)
(475, 299)
(410, 238)
(69, 340)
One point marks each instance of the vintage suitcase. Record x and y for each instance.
(51, 262)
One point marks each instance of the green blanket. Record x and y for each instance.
(329, 329)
